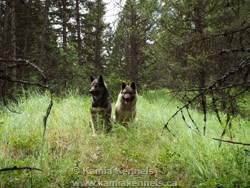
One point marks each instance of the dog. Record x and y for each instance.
(125, 108)
(101, 107)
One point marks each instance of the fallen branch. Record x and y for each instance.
(19, 168)
(231, 142)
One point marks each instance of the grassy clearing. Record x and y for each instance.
(70, 155)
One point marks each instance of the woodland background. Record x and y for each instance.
(196, 47)
(189, 58)
(171, 44)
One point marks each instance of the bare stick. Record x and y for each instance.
(21, 62)
(19, 168)
(45, 118)
(231, 142)
(214, 85)
(196, 126)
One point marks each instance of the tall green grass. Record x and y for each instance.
(70, 155)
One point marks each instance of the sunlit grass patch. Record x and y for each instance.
(70, 152)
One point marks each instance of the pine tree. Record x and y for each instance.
(132, 39)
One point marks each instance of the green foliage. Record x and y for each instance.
(70, 153)
(191, 36)
(73, 75)
(131, 57)
(244, 106)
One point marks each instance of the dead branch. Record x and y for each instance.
(231, 142)
(228, 122)
(19, 168)
(245, 82)
(45, 118)
(184, 119)
(17, 63)
(189, 115)
(25, 82)
(4, 100)
(215, 108)
(213, 87)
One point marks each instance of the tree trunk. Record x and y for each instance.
(133, 46)
(5, 37)
(199, 30)
(98, 40)
(64, 24)
(78, 30)
(13, 37)
(64, 34)
(202, 74)
(5, 28)
(45, 28)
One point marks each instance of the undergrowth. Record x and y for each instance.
(69, 155)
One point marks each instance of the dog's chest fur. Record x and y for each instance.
(125, 113)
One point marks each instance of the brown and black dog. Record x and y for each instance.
(100, 108)
(125, 108)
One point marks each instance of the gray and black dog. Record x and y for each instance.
(101, 107)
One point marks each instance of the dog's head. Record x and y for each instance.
(128, 93)
(97, 86)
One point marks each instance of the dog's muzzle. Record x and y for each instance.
(127, 99)
(93, 90)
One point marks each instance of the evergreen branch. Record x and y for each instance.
(235, 50)
(226, 33)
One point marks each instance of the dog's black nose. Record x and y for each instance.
(126, 98)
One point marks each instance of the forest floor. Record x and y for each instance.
(70, 156)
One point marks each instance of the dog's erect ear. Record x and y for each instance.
(133, 86)
(91, 78)
(101, 80)
(123, 85)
